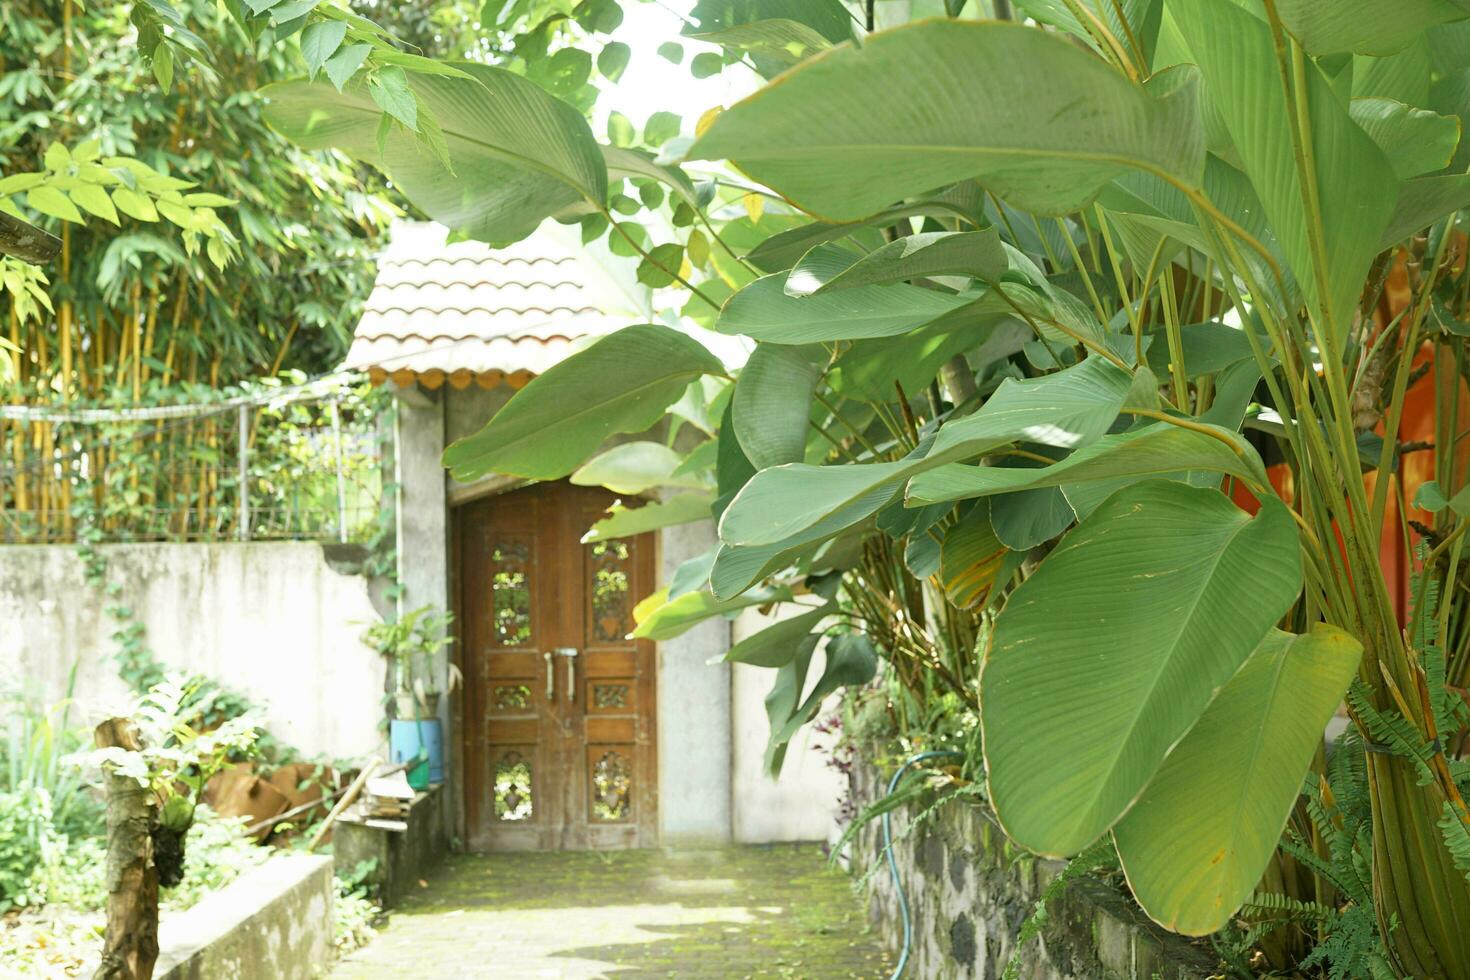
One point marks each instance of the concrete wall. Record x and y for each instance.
(270, 620)
(272, 923)
(694, 785)
(803, 803)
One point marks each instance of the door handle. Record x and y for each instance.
(571, 654)
(550, 677)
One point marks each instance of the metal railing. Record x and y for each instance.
(303, 462)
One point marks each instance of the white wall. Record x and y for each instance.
(269, 620)
(802, 804)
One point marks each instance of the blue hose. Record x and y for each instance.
(903, 902)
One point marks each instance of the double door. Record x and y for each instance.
(558, 714)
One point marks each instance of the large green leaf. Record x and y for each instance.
(634, 467)
(1423, 201)
(1110, 652)
(518, 154)
(1350, 176)
(764, 311)
(624, 522)
(1206, 349)
(784, 248)
(1148, 450)
(1196, 843)
(771, 407)
(934, 253)
(797, 502)
(868, 369)
(1041, 122)
(1364, 26)
(782, 642)
(1416, 141)
(828, 18)
(970, 558)
(774, 44)
(621, 383)
(662, 618)
(851, 662)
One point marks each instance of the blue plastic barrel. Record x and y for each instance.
(413, 740)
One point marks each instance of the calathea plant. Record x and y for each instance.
(1034, 307)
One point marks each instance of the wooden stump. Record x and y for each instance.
(131, 947)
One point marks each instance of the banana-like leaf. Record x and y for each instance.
(763, 311)
(1062, 125)
(783, 249)
(1423, 201)
(634, 467)
(1148, 450)
(1109, 653)
(782, 642)
(661, 618)
(777, 42)
(1364, 26)
(624, 522)
(1207, 348)
(518, 154)
(623, 162)
(970, 558)
(851, 662)
(1028, 518)
(1196, 843)
(771, 407)
(621, 383)
(1350, 174)
(977, 254)
(1132, 22)
(1416, 141)
(868, 369)
(797, 502)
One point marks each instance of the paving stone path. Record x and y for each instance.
(770, 911)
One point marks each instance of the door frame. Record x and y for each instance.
(648, 823)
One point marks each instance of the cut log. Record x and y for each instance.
(27, 242)
(131, 945)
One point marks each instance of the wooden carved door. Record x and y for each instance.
(558, 722)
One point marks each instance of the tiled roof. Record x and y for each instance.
(466, 312)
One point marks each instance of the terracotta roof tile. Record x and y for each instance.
(466, 307)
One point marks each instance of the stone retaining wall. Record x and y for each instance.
(969, 889)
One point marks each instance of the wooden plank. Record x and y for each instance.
(601, 731)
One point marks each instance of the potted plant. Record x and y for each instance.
(413, 643)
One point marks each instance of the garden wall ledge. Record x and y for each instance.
(969, 890)
(272, 923)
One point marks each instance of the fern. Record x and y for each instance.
(1098, 855)
(1349, 946)
(1393, 730)
(1456, 839)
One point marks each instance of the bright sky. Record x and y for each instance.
(652, 84)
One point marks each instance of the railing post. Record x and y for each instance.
(341, 480)
(243, 531)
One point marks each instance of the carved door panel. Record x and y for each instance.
(558, 719)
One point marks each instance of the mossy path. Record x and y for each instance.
(769, 911)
